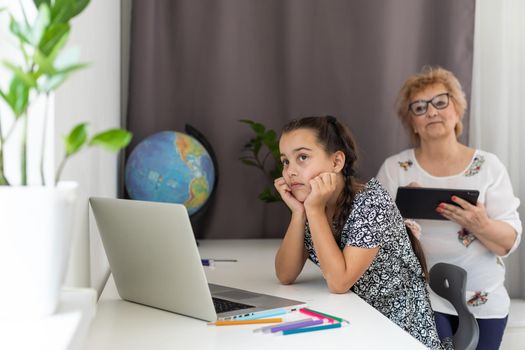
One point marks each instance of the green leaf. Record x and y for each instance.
(268, 196)
(17, 98)
(27, 78)
(40, 25)
(113, 139)
(65, 10)
(248, 162)
(74, 67)
(40, 2)
(76, 139)
(277, 172)
(270, 140)
(20, 30)
(53, 81)
(270, 137)
(54, 39)
(259, 129)
(276, 154)
(247, 121)
(45, 64)
(50, 83)
(257, 144)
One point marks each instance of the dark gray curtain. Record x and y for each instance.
(211, 63)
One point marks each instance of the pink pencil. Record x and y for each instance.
(310, 313)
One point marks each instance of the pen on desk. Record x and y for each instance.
(315, 313)
(311, 329)
(209, 262)
(267, 329)
(263, 314)
(240, 322)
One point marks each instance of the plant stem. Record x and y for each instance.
(268, 173)
(43, 146)
(24, 150)
(60, 168)
(3, 180)
(10, 131)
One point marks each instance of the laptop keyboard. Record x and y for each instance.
(222, 305)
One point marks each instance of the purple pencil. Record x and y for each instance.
(296, 325)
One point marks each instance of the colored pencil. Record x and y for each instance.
(241, 322)
(312, 329)
(267, 329)
(339, 319)
(263, 314)
(280, 327)
(315, 314)
(327, 315)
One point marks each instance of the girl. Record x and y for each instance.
(352, 231)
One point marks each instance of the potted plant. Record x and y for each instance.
(36, 217)
(262, 152)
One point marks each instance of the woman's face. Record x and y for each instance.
(303, 159)
(435, 123)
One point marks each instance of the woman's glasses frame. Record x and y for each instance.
(420, 107)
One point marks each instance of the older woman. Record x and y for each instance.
(431, 106)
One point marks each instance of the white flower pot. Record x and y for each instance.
(36, 227)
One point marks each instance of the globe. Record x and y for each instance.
(170, 167)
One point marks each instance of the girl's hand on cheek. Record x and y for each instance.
(323, 186)
(286, 194)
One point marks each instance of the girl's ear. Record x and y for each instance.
(339, 161)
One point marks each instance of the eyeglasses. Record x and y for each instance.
(420, 107)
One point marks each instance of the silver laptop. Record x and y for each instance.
(154, 259)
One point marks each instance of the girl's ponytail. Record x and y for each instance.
(417, 248)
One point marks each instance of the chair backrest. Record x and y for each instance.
(449, 282)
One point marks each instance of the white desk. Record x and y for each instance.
(123, 325)
(65, 329)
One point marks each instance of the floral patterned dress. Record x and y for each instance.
(394, 283)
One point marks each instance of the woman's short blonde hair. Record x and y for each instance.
(416, 83)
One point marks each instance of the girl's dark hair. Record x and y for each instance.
(334, 136)
(418, 250)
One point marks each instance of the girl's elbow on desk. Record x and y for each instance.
(285, 279)
(338, 287)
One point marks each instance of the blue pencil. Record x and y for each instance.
(263, 314)
(312, 329)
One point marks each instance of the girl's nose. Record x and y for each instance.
(290, 171)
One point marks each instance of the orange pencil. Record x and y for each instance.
(239, 322)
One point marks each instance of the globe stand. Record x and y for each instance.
(199, 220)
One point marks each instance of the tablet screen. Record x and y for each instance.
(421, 202)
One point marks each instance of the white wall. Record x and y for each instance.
(92, 95)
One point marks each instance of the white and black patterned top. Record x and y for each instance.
(394, 283)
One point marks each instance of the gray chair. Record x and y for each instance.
(449, 281)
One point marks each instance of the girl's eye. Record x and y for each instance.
(285, 161)
(303, 157)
